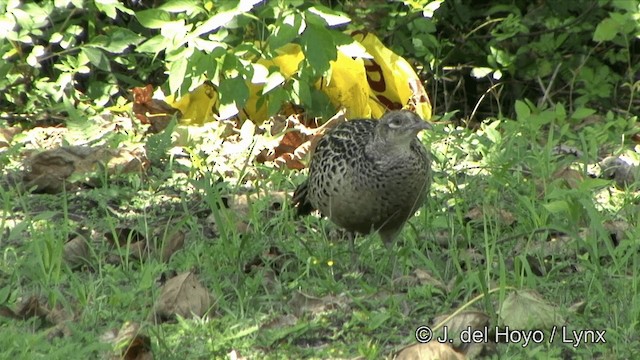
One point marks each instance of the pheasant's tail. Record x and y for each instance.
(301, 199)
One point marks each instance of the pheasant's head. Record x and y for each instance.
(400, 127)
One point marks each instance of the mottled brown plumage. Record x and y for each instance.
(368, 175)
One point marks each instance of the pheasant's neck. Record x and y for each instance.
(388, 149)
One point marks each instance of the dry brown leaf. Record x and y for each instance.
(139, 250)
(280, 322)
(124, 235)
(7, 134)
(559, 246)
(429, 351)
(76, 252)
(425, 278)
(49, 170)
(32, 307)
(235, 355)
(492, 213)
(151, 111)
(571, 178)
(526, 309)
(182, 295)
(239, 207)
(173, 244)
(127, 161)
(461, 327)
(129, 343)
(306, 304)
(271, 255)
(297, 139)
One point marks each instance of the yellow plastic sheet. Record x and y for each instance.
(365, 87)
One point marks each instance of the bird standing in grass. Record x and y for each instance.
(368, 175)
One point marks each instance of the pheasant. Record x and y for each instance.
(367, 175)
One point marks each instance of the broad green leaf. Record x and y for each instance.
(301, 93)
(561, 113)
(224, 17)
(177, 72)
(522, 110)
(97, 58)
(331, 17)
(154, 45)
(109, 7)
(348, 46)
(233, 93)
(178, 6)
(627, 5)
(291, 26)
(480, 72)
(274, 80)
(117, 42)
(276, 99)
(558, 206)
(582, 113)
(321, 105)
(36, 52)
(55, 38)
(318, 47)
(260, 74)
(153, 18)
(606, 30)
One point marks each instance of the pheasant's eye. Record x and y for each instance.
(395, 123)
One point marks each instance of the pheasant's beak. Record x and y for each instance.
(422, 125)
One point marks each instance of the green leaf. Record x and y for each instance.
(480, 72)
(522, 110)
(606, 30)
(561, 113)
(118, 41)
(582, 113)
(233, 95)
(558, 206)
(178, 6)
(301, 93)
(153, 18)
(276, 99)
(286, 30)
(331, 17)
(109, 7)
(97, 58)
(154, 45)
(318, 48)
(274, 80)
(321, 105)
(223, 18)
(177, 72)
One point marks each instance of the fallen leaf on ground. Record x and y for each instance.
(468, 323)
(76, 252)
(526, 309)
(182, 295)
(151, 111)
(174, 243)
(492, 214)
(293, 139)
(429, 351)
(129, 343)
(306, 304)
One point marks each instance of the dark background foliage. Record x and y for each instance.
(477, 57)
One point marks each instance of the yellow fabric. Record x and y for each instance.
(365, 87)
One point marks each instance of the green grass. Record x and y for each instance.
(287, 288)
